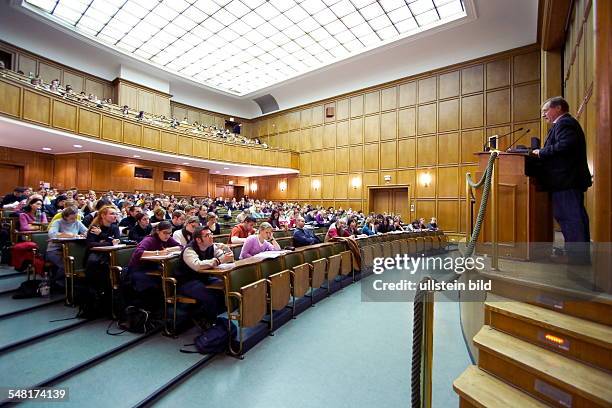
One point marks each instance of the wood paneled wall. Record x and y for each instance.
(50, 70)
(22, 101)
(429, 124)
(104, 172)
(37, 166)
(578, 80)
(140, 98)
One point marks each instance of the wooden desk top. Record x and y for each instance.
(160, 257)
(67, 239)
(109, 248)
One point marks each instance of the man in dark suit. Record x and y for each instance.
(565, 173)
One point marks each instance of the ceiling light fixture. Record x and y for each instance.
(136, 156)
(47, 149)
(77, 146)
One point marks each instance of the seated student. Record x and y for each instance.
(241, 231)
(274, 220)
(30, 214)
(56, 206)
(212, 224)
(178, 219)
(433, 224)
(337, 229)
(260, 242)
(185, 234)
(303, 236)
(352, 227)
(159, 215)
(103, 202)
(370, 226)
(17, 195)
(203, 214)
(159, 242)
(199, 255)
(103, 231)
(141, 229)
(66, 227)
(130, 221)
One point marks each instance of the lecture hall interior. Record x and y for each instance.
(306, 203)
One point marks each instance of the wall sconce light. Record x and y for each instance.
(282, 185)
(387, 178)
(425, 179)
(253, 187)
(316, 184)
(231, 182)
(356, 182)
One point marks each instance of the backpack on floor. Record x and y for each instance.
(215, 339)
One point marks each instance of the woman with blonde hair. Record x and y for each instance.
(262, 241)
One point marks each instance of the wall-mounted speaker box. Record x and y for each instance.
(330, 112)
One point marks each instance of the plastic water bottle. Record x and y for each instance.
(38, 216)
(45, 287)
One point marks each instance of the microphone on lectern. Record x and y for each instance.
(492, 143)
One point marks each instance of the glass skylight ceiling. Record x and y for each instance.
(241, 46)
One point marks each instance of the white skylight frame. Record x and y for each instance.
(242, 46)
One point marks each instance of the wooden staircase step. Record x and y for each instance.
(549, 376)
(477, 388)
(568, 335)
(596, 307)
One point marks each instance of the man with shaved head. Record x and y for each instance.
(303, 236)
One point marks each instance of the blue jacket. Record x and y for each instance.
(366, 230)
(303, 237)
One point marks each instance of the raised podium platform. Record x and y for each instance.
(525, 223)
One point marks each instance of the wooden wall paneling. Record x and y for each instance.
(425, 209)
(407, 122)
(526, 102)
(317, 115)
(151, 138)
(342, 109)
(448, 182)
(448, 148)
(215, 151)
(498, 73)
(112, 129)
(64, 116)
(49, 72)
(95, 87)
(132, 133)
(472, 79)
(329, 136)
(388, 98)
(448, 215)
(427, 119)
(306, 117)
(342, 133)
(36, 108)
(428, 89)
(407, 153)
(407, 177)
(448, 118)
(427, 150)
(370, 156)
(341, 185)
(327, 187)
(356, 131)
(471, 141)
(328, 159)
(526, 67)
(317, 165)
(357, 106)
(220, 122)
(501, 130)
(76, 81)
(472, 108)
(306, 140)
(371, 129)
(498, 107)
(372, 102)
(146, 101)
(89, 122)
(10, 99)
(162, 106)
(185, 146)
(354, 192)
(388, 155)
(168, 142)
(317, 137)
(342, 160)
(388, 125)
(294, 140)
(383, 173)
(449, 85)
(356, 158)
(407, 94)
(305, 163)
(329, 107)
(26, 64)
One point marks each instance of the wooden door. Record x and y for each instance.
(219, 191)
(390, 200)
(12, 176)
(381, 201)
(400, 203)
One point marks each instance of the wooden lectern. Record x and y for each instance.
(525, 225)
